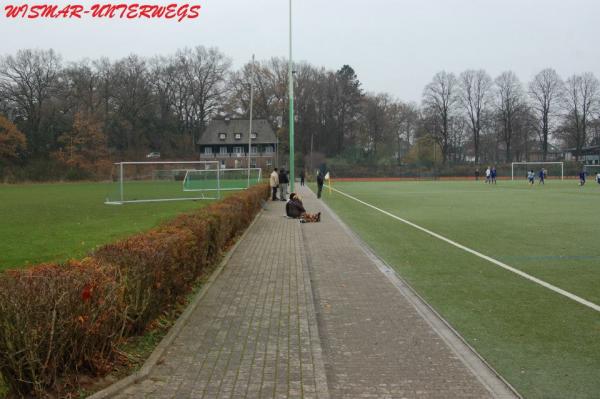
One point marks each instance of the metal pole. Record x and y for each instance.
(312, 135)
(251, 102)
(291, 92)
(121, 180)
(218, 180)
(434, 158)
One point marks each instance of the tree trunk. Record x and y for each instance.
(545, 131)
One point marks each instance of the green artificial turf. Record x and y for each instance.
(54, 222)
(546, 345)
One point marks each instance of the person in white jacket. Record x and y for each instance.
(274, 183)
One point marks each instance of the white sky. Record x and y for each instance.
(395, 46)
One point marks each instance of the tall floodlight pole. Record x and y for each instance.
(291, 91)
(250, 128)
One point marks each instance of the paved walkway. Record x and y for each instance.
(254, 334)
(302, 311)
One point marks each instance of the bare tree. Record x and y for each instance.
(524, 128)
(509, 97)
(440, 99)
(475, 90)
(133, 104)
(348, 102)
(81, 87)
(403, 123)
(545, 92)
(27, 81)
(270, 89)
(206, 72)
(582, 100)
(375, 123)
(104, 71)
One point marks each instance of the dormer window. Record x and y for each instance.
(253, 135)
(238, 136)
(222, 136)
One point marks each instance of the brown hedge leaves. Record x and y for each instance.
(61, 320)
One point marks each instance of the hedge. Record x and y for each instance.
(61, 320)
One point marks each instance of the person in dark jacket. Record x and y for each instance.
(283, 182)
(320, 181)
(302, 175)
(295, 209)
(582, 178)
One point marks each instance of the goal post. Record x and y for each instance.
(519, 169)
(159, 181)
(226, 179)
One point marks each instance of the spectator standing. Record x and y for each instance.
(283, 182)
(302, 177)
(320, 181)
(274, 183)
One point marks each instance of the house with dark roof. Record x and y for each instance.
(588, 155)
(535, 153)
(226, 141)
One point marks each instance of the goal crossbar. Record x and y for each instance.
(168, 163)
(591, 166)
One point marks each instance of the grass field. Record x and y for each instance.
(54, 222)
(544, 344)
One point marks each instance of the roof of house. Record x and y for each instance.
(584, 149)
(262, 128)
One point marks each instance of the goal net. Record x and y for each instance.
(221, 179)
(591, 170)
(553, 170)
(156, 181)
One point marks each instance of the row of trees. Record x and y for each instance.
(514, 115)
(82, 114)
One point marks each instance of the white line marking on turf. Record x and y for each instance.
(536, 280)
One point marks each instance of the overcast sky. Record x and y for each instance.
(395, 46)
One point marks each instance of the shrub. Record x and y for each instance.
(201, 230)
(154, 269)
(58, 320)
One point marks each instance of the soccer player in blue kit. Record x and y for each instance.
(541, 175)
